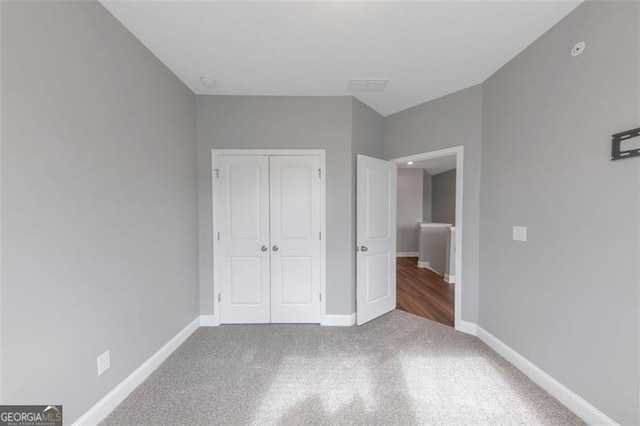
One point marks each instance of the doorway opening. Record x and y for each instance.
(429, 235)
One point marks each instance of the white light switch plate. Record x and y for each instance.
(104, 363)
(519, 233)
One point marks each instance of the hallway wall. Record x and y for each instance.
(409, 210)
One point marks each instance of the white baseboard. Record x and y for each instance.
(339, 320)
(566, 396)
(407, 254)
(449, 278)
(467, 327)
(209, 321)
(110, 401)
(329, 320)
(427, 265)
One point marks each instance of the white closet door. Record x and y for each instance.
(295, 239)
(376, 236)
(243, 246)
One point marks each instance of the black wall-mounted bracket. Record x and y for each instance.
(616, 141)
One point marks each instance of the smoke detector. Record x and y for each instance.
(367, 84)
(207, 81)
(578, 48)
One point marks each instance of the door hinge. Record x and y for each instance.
(218, 236)
(217, 173)
(320, 296)
(320, 236)
(320, 173)
(219, 299)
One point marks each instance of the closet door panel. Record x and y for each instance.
(295, 270)
(243, 224)
(295, 238)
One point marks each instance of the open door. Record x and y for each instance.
(376, 238)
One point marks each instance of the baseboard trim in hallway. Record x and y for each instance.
(110, 401)
(566, 396)
(407, 254)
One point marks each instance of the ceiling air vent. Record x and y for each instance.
(367, 84)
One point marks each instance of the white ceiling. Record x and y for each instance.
(426, 49)
(434, 166)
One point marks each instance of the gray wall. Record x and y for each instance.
(568, 298)
(410, 207)
(446, 122)
(99, 203)
(427, 184)
(443, 197)
(433, 247)
(366, 139)
(263, 122)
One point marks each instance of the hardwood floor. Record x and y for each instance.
(423, 292)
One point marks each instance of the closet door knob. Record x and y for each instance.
(364, 248)
(264, 248)
(276, 248)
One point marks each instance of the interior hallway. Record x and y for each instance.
(423, 292)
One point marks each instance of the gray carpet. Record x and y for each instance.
(398, 369)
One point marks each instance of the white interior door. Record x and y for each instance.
(376, 237)
(295, 239)
(242, 268)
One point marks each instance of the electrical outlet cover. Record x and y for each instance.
(104, 363)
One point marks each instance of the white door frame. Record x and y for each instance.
(458, 151)
(215, 153)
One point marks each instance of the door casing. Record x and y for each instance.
(321, 153)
